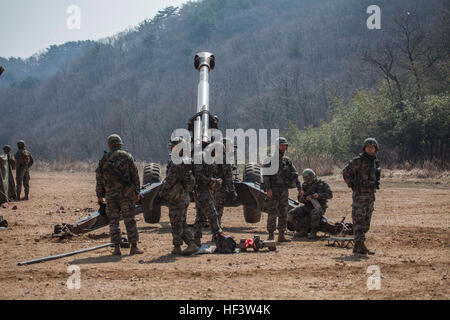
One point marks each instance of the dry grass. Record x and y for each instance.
(323, 165)
(78, 166)
(428, 172)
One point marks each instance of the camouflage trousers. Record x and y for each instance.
(305, 219)
(22, 177)
(220, 195)
(277, 206)
(116, 204)
(180, 230)
(362, 210)
(205, 212)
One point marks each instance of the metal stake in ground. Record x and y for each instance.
(124, 244)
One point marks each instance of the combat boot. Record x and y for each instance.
(365, 249)
(282, 238)
(312, 235)
(176, 250)
(135, 250)
(360, 248)
(26, 196)
(116, 251)
(191, 249)
(300, 234)
(270, 235)
(198, 242)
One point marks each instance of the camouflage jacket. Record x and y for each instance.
(117, 174)
(321, 188)
(286, 177)
(178, 183)
(23, 158)
(203, 174)
(363, 173)
(224, 172)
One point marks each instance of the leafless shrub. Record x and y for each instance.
(323, 165)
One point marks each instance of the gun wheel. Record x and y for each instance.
(252, 173)
(152, 173)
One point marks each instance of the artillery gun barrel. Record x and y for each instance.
(59, 256)
(204, 62)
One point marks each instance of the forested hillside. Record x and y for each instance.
(279, 64)
(41, 66)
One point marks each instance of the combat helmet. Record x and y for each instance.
(216, 145)
(370, 142)
(175, 141)
(309, 175)
(114, 140)
(282, 141)
(21, 144)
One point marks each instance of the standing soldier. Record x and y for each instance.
(7, 185)
(277, 187)
(307, 218)
(24, 161)
(224, 172)
(204, 200)
(178, 183)
(362, 174)
(118, 181)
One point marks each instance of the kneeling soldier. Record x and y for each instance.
(178, 183)
(118, 181)
(307, 218)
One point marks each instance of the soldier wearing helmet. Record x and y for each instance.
(178, 184)
(118, 184)
(362, 175)
(306, 219)
(7, 165)
(277, 187)
(206, 183)
(223, 170)
(24, 161)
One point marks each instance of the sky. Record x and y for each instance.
(30, 26)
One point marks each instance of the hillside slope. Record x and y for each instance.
(277, 61)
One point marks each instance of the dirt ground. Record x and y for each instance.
(409, 232)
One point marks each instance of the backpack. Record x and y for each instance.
(224, 243)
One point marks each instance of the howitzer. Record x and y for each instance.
(124, 244)
(250, 192)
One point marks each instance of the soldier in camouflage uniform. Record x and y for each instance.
(24, 161)
(178, 183)
(224, 172)
(307, 218)
(7, 185)
(204, 200)
(362, 175)
(118, 181)
(277, 187)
